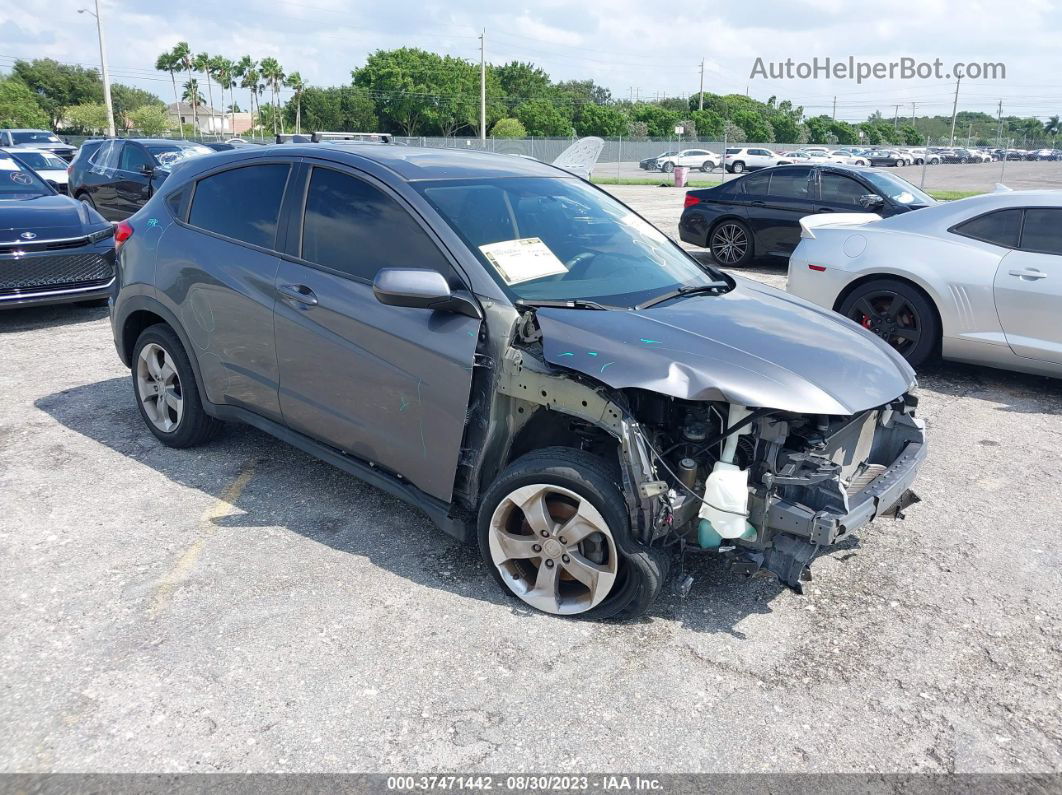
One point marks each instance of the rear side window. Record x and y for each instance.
(134, 158)
(1000, 227)
(354, 228)
(756, 184)
(1042, 231)
(790, 183)
(242, 203)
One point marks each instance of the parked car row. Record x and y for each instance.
(976, 280)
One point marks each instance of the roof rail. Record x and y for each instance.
(322, 137)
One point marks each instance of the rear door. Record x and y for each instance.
(132, 187)
(100, 180)
(387, 384)
(1028, 288)
(788, 200)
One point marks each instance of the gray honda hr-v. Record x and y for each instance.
(518, 354)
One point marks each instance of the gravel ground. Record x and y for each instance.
(243, 607)
(1020, 175)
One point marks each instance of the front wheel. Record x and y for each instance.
(85, 198)
(667, 168)
(554, 531)
(898, 313)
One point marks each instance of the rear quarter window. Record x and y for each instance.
(1000, 227)
(241, 203)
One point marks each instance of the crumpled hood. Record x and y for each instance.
(755, 346)
(52, 216)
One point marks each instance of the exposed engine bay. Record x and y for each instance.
(769, 488)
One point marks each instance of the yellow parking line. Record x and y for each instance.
(222, 506)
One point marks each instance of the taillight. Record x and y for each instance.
(122, 232)
(819, 268)
(691, 200)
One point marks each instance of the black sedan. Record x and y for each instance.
(653, 163)
(885, 157)
(117, 177)
(53, 249)
(759, 214)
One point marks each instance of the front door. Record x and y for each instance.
(1028, 288)
(132, 187)
(387, 384)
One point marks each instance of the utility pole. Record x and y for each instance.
(954, 110)
(913, 117)
(835, 108)
(999, 132)
(105, 74)
(482, 87)
(896, 118)
(700, 94)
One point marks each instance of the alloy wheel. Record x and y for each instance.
(159, 388)
(729, 244)
(553, 549)
(891, 316)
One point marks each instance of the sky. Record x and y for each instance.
(636, 49)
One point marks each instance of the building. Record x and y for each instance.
(212, 121)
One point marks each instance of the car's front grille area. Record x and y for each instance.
(34, 274)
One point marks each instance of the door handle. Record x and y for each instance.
(758, 204)
(298, 292)
(824, 209)
(1029, 273)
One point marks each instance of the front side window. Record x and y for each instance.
(1001, 227)
(1042, 231)
(106, 157)
(241, 203)
(134, 158)
(352, 227)
(790, 183)
(556, 239)
(838, 189)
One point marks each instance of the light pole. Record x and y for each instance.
(103, 65)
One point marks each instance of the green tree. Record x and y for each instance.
(910, 136)
(89, 117)
(342, 108)
(604, 120)
(399, 80)
(273, 74)
(843, 132)
(508, 128)
(756, 127)
(733, 134)
(203, 64)
(520, 82)
(58, 86)
(150, 120)
(169, 62)
(19, 107)
(660, 122)
(541, 117)
(182, 53)
(126, 99)
(295, 83)
(787, 130)
(819, 129)
(709, 124)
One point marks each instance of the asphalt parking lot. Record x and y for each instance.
(241, 606)
(1020, 175)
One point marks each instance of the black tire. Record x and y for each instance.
(712, 244)
(667, 168)
(642, 570)
(915, 314)
(707, 166)
(87, 199)
(737, 167)
(195, 426)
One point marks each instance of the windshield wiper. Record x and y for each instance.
(689, 289)
(567, 303)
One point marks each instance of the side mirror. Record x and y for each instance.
(422, 289)
(870, 201)
(147, 170)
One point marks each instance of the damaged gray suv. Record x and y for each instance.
(516, 353)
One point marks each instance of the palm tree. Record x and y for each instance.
(247, 72)
(183, 53)
(294, 82)
(274, 74)
(192, 95)
(167, 62)
(202, 65)
(223, 74)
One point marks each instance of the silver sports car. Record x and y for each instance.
(977, 280)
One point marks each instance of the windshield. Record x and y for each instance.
(898, 189)
(35, 137)
(553, 239)
(42, 161)
(169, 154)
(17, 182)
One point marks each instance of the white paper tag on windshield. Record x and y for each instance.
(523, 260)
(8, 164)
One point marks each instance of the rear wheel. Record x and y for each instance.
(898, 313)
(738, 167)
(86, 199)
(731, 244)
(554, 531)
(667, 168)
(707, 166)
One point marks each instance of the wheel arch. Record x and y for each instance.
(855, 284)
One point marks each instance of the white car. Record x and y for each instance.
(691, 158)
(738, 159)
(979, 279)
(48, 166)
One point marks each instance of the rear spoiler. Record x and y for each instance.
(811, 222)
